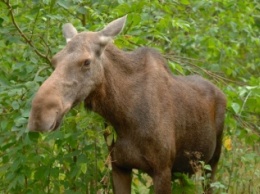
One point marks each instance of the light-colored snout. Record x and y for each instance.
(45, 115)
(41, 123)
(48, 108)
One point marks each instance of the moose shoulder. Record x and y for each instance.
(164, 123)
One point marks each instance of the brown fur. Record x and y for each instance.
(161, 120)
(158, 117)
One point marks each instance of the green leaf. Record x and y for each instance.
(34, 136)
(82, 10)
(185, 2)
(83, 168)
(63, 4)
(15, 105)
(235, 107)
(110, 139)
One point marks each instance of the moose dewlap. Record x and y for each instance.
(163, 122)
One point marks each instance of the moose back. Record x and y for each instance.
(164, 123)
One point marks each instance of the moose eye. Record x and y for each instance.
(86, 63)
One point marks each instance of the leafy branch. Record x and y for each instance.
(26, 39)
(191, 62)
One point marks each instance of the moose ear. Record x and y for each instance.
(69, 31)
(112, 29)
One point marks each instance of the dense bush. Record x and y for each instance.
(218, 39)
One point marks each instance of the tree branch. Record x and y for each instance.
(26, 39)
(190, 62)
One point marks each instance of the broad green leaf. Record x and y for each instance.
(235, 107)
(185, 2)
(83, 167)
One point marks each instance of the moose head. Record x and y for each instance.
(78, 71)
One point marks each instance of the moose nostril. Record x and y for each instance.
(52, 127)
(55, 123)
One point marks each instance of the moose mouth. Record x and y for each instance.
(55, 126)
(56, 123)
(37, 127)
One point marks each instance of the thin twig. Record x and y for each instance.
(35, 20)
(74, 15)
(186, 60)
(242, 108)
(27, 40)
(44, 43)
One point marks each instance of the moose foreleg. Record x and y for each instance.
(121, 180)
(162, 182)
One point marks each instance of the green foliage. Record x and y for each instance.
(219, 39)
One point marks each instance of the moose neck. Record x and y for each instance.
(121, 98)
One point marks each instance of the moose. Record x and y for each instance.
(162, 121)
